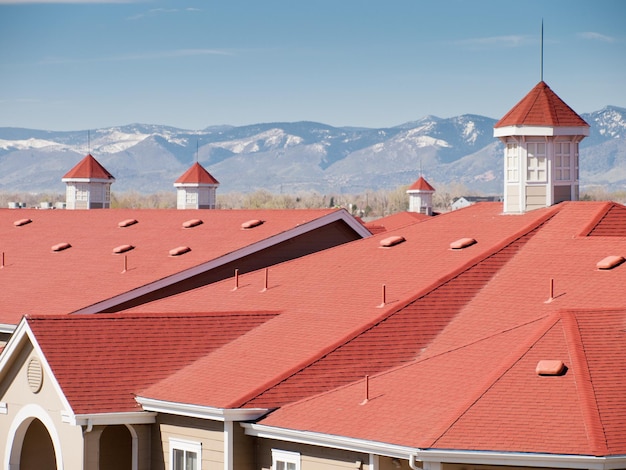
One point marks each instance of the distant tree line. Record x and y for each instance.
(369, 204)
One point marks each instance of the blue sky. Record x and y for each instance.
(191, 64)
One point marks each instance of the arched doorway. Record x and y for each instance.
(37, 449)
(116, 448)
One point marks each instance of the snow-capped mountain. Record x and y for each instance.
(300, 156)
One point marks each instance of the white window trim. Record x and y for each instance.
(285, 456)
(187, 446)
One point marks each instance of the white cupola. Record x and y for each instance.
(540, 135)
(88, 185)
(421, 197)
(196, 189)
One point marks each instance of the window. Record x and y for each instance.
(185, 455)
(192, 197)
(82, 192)
(536, 169)
(283, 460)
(562, 161)
(512, 163)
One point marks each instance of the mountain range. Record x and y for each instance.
(299, 156)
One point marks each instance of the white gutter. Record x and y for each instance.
(6, 328)
(200, 411)
(433, 458)
(328, 440)
(271, 241)
(519, 459)
(105, 419)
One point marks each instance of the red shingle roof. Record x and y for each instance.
(197, 174)
(541, 107)
(101, 361)
(40, 281)
(421, 185)
(90, 168)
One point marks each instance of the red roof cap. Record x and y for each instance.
(89, 167)
(541, 107)
(197, 174)
(421, 185)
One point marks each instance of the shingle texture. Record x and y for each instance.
(541, 107)
(89, 168)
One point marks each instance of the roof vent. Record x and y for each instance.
(192, 223)
(122, 249)
(127, 223)
(462, 243)
(551, 367)
(610, 262)
(251, 223)
(181, 250)
(392, 241)
(61, 246)
(19, 223)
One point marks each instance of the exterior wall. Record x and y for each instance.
(512, 200)
(210, 435)
(244, 447)
(311, 457)
(23, 405)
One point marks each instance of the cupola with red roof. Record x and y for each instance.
(88, 185)
(541, 135)
(196, 189)
(421, 197)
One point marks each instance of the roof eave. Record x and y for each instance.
(507, 131)
(87, 180)
(328, 440)
(201, 411)
(521, 459)
(106, 419)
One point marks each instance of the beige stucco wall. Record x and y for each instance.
(535, 197)
(22, 405)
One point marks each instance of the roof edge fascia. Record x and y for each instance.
(507, 131)
(201, 411)
(7, 328)
(17, 340)
(273, 240)
(105, 419)
(87, 180)
(527, 459)
(328, 440)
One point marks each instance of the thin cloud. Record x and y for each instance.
(23, 2)
(596, 36)
(135, 57)
(160, 11)
(492, 41)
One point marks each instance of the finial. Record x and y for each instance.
(542, 49)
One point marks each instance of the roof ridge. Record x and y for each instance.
(490, 381)
(586, 391)
(397, 309)
(602, 213)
